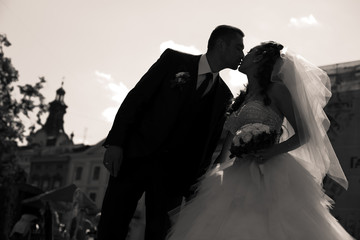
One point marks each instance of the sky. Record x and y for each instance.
(99, 49)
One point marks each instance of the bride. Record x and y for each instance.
(270, 191)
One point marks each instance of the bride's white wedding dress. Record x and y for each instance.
(279, 200)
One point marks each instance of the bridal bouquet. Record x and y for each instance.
(252, 137)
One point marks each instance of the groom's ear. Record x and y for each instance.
(221, 44)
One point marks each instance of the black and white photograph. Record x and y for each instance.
(179, 120)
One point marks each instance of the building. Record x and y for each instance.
(47, 158)
(88, 173)
(344, 113)
(52, 160)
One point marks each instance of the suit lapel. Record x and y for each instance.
(192, 66)
(194, 69)
(219, 103)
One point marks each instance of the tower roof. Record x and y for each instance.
(60, 91)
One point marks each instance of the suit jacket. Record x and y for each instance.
(151, 110)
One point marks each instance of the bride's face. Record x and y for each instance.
(250, 61)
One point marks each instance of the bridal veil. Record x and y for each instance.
(310, 89)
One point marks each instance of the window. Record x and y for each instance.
(96, 173)
(92, 196)
(78, 173)
(35, 183)
(45, 185)
(57, 183)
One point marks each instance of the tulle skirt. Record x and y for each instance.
(278, 200)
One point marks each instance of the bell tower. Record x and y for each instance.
(52, 133)
(55, 121)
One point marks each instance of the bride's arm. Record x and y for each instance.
(283, 102)
(225, 150)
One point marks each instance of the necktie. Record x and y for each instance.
(204, 85)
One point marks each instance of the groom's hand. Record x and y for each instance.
(112, 159)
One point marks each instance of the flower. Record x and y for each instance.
(180, 79)
(252, 137)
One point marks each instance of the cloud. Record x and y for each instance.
(179, 47)
(109, 114)
(303, 21)
(102, 76)
(118, 92)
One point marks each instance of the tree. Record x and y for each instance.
(12, 131)
(12, 110)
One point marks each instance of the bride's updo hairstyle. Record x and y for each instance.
(270, 52)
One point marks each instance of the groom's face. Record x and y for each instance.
(233, 52)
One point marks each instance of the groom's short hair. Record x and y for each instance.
(224, 32)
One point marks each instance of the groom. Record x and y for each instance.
(164, 134)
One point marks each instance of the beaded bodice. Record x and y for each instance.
(253, 112)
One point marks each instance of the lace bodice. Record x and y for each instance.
(253, 112)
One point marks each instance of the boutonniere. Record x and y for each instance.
(180, 79)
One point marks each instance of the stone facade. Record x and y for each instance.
(344, 113)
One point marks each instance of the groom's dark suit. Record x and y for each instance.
(168, 133)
